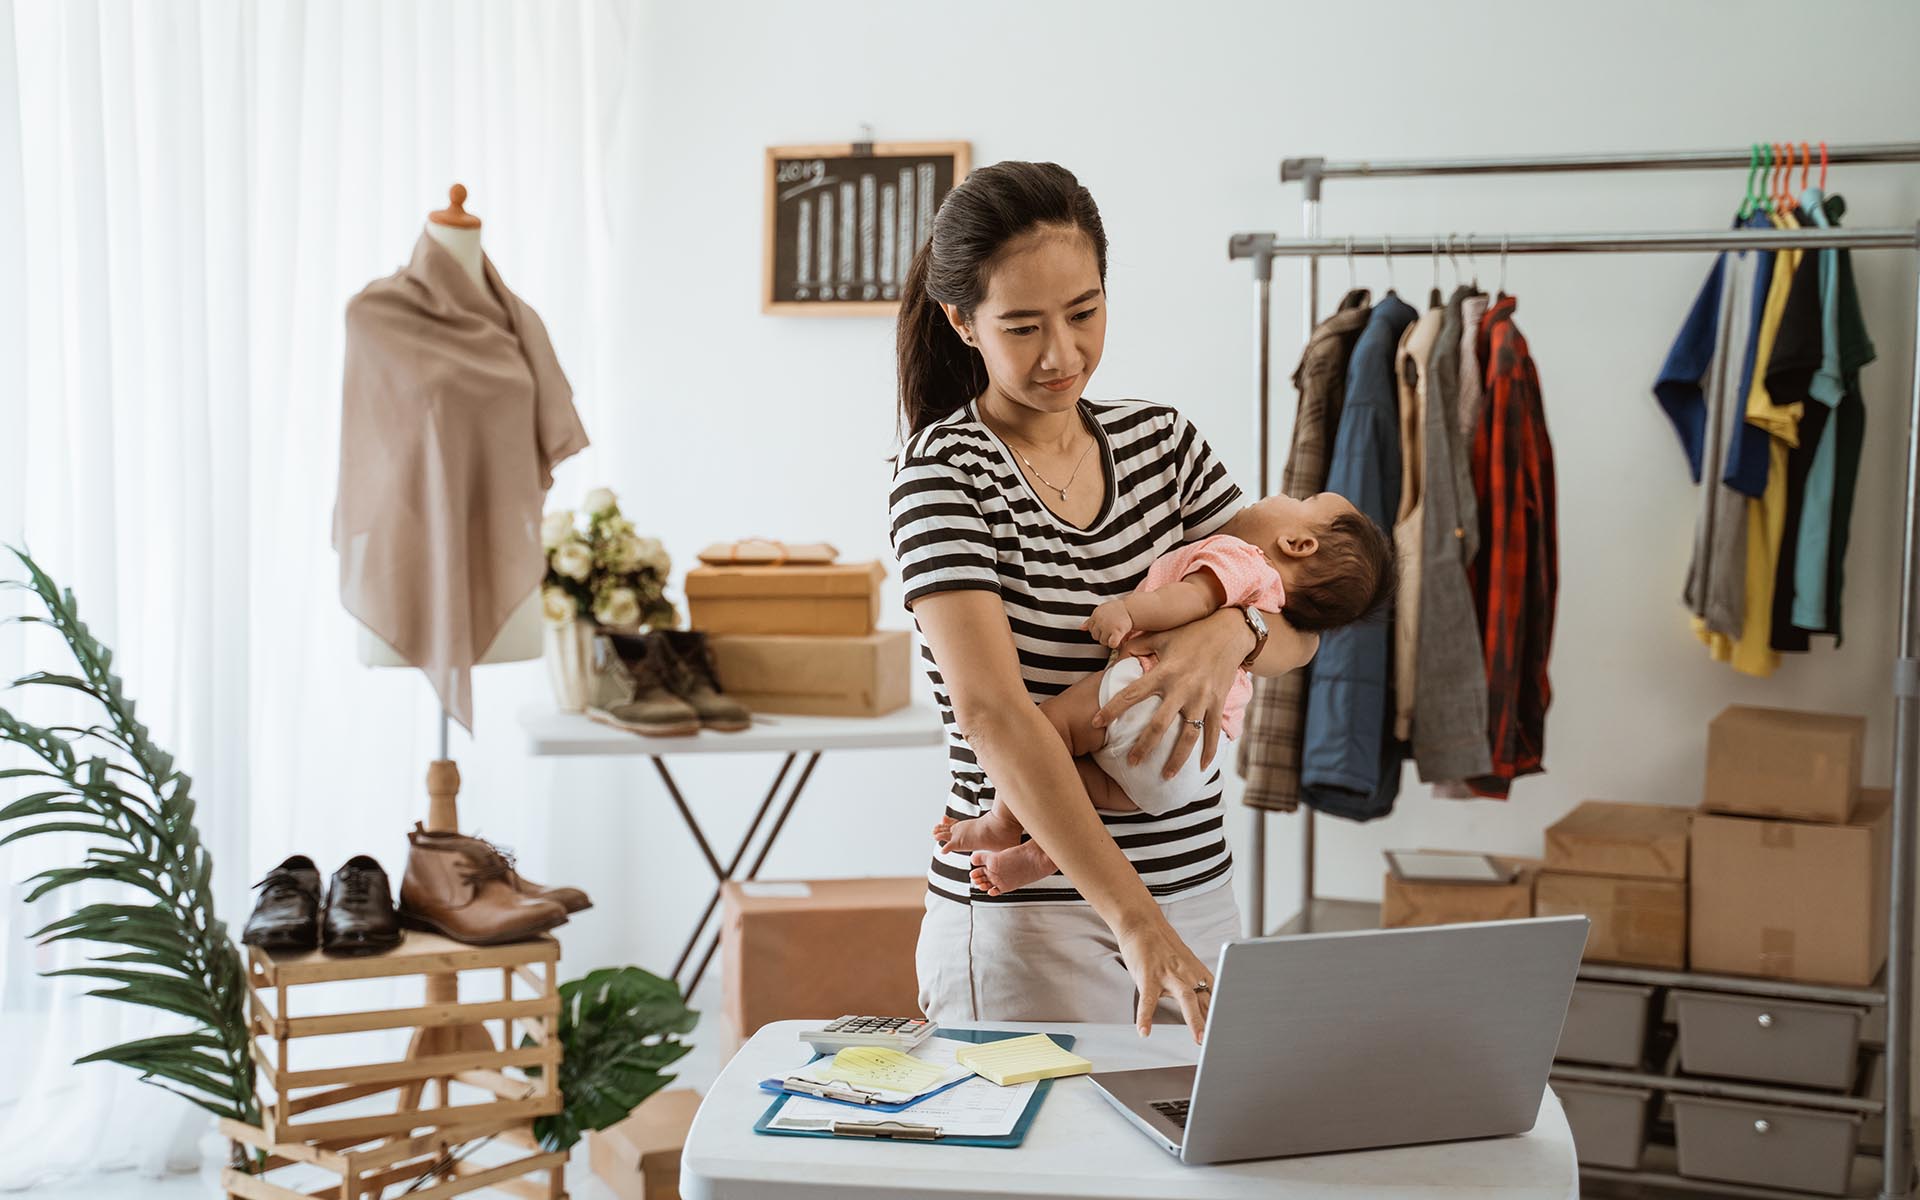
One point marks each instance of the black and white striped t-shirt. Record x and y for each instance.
(964, 517)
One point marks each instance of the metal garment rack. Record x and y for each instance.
(1263, 248)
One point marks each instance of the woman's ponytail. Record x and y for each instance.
(939, 373)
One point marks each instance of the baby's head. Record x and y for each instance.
(1337, 565)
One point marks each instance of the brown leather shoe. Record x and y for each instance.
(644, 700)
(359, 917)
(467, 896)
(570, 898)
(698, 682)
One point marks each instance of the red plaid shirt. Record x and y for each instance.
(1516, 575)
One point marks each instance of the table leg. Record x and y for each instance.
(752, 828)
(799, 785)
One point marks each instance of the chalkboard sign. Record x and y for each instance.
(844, 220)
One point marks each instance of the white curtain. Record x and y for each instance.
(189, 194)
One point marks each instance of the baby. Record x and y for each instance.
(1319, 559)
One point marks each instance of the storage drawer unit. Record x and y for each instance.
(1781, 1041)
(1606, 1023)
(1765, 1144)
(1609, 1123)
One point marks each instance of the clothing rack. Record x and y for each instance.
(1263, 248)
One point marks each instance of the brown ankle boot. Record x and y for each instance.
(570, 898)
(467, 896)
(645, 672)
(698, 683)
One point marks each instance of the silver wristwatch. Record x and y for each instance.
(1258, 624)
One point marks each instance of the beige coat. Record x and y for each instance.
(1416, 352)
(454, 414)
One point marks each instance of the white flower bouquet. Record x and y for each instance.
(602, 570)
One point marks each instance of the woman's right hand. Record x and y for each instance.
(1162, 965)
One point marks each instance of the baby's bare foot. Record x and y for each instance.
(986, 832)
(997, 872)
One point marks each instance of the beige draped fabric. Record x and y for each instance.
(455, 413)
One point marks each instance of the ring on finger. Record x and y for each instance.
(1196, 722)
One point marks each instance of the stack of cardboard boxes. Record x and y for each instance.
(1624, 866)
(800, 638)
(1790, 854)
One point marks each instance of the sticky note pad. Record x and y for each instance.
(1018, 1060)
(882, 1067)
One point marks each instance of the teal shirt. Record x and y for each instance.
(1812, 610)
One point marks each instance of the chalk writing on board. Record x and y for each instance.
(844, 226)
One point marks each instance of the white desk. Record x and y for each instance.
(575, 735)
(1080, 1146)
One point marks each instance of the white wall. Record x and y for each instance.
(1176, 118)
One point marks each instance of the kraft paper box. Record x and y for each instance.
(1775, 762)
(817, 676)
(840, 600)
(1639, 841)
(1792, 899)
(1641, 922)
(1405, 904)
(819, 949)
(639, 1158)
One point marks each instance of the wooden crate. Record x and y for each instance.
(451, 1041)
(368, 1166)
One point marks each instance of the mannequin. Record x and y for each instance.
(520, 639)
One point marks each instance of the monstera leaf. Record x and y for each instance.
(618, 1030)
(110, 782)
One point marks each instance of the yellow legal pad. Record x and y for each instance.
(1018, 1060)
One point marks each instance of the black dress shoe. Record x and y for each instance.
(360, 917)
(286, 917)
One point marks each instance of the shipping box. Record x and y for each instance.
(1642, 922)
(819, 949)
(1791, 899)
(1639, 841)
(1776, 762)
(817, 676)
(639, 1158)
(839, 600)
(1404, 903)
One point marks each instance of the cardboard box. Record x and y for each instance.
(819, 949)
(639, 1158)
(837, 600)
(1642, 922)
(1776, 762)
(1637, 841)
(1791, 899)
(817, 676)
(1404, 904)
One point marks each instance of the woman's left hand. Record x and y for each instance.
(1195, 671)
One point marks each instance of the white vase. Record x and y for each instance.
(570, 663)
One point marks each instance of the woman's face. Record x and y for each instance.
(1044, 320)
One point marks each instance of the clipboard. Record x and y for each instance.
(894, 1129)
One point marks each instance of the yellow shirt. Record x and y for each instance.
(1752, 653)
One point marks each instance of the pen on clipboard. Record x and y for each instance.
(903, 1130)
(835, 1090)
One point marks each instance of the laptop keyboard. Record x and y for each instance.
(1174, 1110)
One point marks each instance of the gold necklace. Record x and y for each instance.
(1061, 488)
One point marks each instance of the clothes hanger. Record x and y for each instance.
(1503, 267)
(1433, 297)
(1351, 285)
(1753, 168)
(1766, 177)
(1806, 165)
(1386, 252)
(1823, 166)
(1473, 264)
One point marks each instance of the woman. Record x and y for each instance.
(1017, 507)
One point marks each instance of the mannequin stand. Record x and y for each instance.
(443, 816)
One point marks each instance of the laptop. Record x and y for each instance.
(1349, 1041)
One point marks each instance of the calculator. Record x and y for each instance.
(900, 1033)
